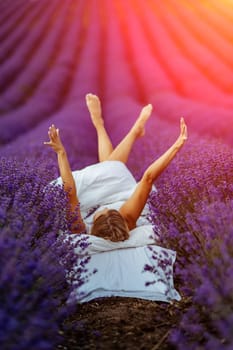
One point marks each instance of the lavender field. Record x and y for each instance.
(175, 54)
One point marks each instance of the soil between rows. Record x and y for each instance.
(122, 323)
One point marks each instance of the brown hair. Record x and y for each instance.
(110, 225)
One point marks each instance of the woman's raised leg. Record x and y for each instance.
(105, 147)
(122, 151)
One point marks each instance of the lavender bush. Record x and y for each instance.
(206, 274)
(193, 210)
(34, 260)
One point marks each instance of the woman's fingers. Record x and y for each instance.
(53, 133)
(183, 128)
(54, 139)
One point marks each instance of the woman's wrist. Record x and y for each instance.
(179, 142)
(61, 151)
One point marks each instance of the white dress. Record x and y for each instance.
(106, 184)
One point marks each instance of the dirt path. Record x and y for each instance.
(122, 323)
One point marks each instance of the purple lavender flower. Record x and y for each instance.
(34, 260)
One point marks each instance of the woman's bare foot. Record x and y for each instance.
(139, 126)
(94, 107)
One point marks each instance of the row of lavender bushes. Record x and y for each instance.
(34, 259)
(193, 209)
(69, 55)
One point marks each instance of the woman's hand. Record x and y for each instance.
(54, 140)
(183, 133)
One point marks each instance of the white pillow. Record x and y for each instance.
(141, 272)
(139, 237)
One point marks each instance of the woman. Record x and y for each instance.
(108, 223)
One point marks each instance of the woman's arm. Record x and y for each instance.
(74, 213)
(133, 207)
